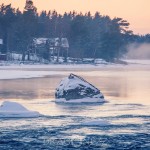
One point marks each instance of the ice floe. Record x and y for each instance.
(12, 109)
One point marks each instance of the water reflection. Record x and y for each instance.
(124, 85)
(36, 88)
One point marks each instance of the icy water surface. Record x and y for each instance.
(127, 110)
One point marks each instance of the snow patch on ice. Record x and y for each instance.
(17, 74)
(73, 83)
(138, 61)
(12, 109)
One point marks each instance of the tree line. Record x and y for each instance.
(96, 36)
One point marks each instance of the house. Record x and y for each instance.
(49, 47)
(51, 42)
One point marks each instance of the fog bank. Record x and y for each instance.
(138, 51)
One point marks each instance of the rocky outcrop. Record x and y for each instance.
(76, 89)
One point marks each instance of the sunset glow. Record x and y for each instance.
(136, 12)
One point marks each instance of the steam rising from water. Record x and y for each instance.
(138, 51)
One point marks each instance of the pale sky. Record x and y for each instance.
(136, 12)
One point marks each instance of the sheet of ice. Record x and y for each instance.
(101, 64)
(17, 74)
(99, 122)
(51, 66)
(16, 71)
(15, 110)
(138, 61)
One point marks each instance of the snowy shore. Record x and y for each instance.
(17, 71)
(21, 74)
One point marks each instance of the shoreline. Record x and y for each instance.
(16, 71)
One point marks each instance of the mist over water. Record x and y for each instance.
(138, 51)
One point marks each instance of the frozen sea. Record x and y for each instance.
(63, 127)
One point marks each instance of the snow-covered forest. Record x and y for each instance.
(89, 36)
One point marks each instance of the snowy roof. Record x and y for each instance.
(52, 42)
(38, 41)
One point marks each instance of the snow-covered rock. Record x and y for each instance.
(98, 122)
(12, 109)
(74, 89)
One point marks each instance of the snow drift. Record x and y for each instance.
(16, 110)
